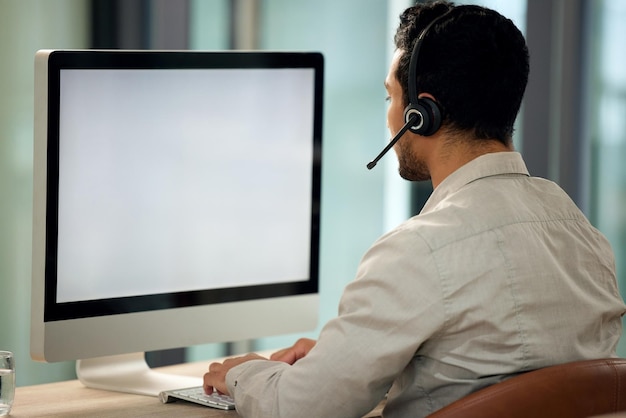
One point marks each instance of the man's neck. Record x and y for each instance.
(452, 155)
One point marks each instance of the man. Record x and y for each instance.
(499, 274)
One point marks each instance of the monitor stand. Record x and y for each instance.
(129, 373)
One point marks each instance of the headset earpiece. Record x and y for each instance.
(428, 116)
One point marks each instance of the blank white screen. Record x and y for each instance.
(180, 180)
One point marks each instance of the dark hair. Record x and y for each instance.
(474, 62)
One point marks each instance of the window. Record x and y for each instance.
(607, 113)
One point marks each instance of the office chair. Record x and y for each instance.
(572, 390)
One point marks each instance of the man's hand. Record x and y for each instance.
(215, 379)
(294, 353)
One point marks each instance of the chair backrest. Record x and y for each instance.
(579, 389)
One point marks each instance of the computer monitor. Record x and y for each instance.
(176, 203)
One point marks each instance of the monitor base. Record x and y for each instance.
(129, 373)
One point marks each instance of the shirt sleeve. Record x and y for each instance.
(385, 314)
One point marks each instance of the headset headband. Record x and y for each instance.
(415, 54)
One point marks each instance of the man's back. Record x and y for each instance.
(523, 281)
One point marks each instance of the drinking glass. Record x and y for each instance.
(7, 382)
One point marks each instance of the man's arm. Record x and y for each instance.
(392, 307)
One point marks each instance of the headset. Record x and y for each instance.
(423, 115)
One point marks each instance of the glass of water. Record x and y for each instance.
(7, 382)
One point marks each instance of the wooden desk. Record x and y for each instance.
(71, 399)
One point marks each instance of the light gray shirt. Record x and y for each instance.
(500, 273)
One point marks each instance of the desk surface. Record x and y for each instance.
(71, 399)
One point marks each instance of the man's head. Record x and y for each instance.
(474, 62)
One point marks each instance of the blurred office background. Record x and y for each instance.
(572, 128)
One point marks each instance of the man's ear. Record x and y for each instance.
(428, 96)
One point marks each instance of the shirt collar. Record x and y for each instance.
(486, 165)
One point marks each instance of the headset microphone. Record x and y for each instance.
(412, 120)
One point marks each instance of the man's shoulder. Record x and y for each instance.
(489, 204)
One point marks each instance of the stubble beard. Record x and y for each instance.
(411, 167)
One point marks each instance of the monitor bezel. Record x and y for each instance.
(120, 59)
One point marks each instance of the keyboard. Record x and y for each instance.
(197, 395)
